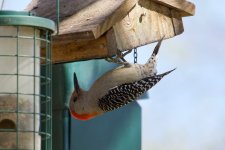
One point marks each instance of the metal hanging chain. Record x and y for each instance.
(135, 55)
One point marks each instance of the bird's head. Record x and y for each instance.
(78, 103)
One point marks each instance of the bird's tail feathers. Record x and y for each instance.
(168, 72)
(156, 50)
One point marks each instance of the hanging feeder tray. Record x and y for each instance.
(97, 28)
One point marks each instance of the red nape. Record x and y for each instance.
(82, 116)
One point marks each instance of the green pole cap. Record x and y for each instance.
(24, 18)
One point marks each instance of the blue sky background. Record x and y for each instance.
(186, 110)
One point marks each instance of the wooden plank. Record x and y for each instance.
(68, 38)
(79, 50)
(177, 22)
(145, 25)
(186, 8)
(115, 17)
(83, 49)
(97, 18)
(111, 42)
(87, 18)
(48, 8)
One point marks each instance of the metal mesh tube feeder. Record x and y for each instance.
(25, 81)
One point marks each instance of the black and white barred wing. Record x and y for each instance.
(128, 92)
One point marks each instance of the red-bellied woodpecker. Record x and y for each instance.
(115, 88)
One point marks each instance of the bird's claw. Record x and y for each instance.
(119, 58)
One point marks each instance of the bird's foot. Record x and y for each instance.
(119, 58)
(116, 60)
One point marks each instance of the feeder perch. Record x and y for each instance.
(97, 28)
(25, 79)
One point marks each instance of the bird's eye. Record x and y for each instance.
(75, 99)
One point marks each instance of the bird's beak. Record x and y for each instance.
(75, 82)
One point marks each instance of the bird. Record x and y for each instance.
(116, 88)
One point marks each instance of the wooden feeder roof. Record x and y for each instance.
(97, 28)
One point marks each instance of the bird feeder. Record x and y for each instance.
(92, 29)
(98, 28)
(25, 81)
